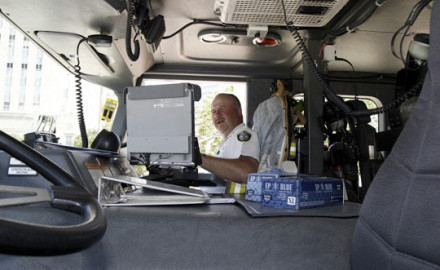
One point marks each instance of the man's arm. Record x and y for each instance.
(236, 170)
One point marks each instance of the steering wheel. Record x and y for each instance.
(17, 237)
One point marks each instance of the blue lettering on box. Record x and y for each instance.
(286, 187)
(328, 187)
(267, 185)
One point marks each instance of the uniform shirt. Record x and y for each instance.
(242, 141)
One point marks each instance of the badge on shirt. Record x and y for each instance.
(244, 136)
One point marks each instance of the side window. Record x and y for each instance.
(34, 87)
(371, 102)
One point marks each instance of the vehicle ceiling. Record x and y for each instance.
(58, 25)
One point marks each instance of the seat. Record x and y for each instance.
(364, 134)
(269, 124)
(399, 223)
(273, 119)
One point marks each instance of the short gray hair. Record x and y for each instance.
(234, 97)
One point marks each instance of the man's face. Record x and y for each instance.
(226, 115)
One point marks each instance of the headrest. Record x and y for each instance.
(358, 105)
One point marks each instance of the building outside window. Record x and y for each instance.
(32, 84)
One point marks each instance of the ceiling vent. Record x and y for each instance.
(304, 13)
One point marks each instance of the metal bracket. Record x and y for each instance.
(145, 192)
(34, 195)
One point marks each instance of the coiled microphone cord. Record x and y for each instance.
(79, 102)
(130, 13)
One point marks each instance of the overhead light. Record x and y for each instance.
(238, 37)
(266, 42)
(221, 36)
(212, 38)
(270, 40)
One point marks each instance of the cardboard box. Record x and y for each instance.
(255, 181)
(279, 190)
